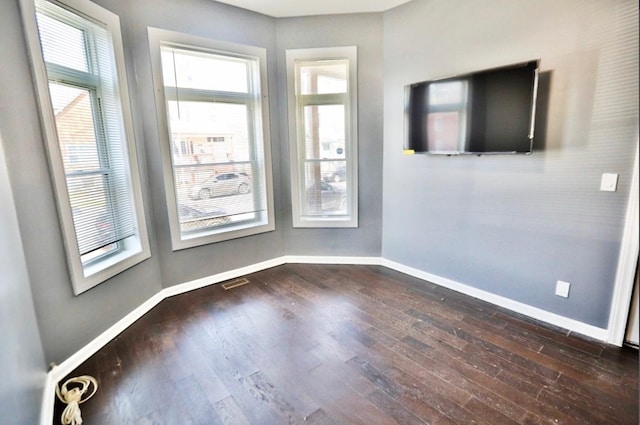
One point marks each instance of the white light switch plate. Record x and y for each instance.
(609, 182)
(562, 288)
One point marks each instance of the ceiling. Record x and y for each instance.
(287, 8)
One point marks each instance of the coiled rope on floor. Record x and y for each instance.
(74, 396)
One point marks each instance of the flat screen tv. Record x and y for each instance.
(484, 112)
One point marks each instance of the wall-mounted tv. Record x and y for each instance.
(485, 112)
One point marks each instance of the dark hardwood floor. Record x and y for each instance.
(324, 344)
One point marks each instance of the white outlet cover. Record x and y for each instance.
(562, 289)
(609, 182)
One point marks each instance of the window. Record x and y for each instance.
(323, 133)
(79, 72)
(213, 119)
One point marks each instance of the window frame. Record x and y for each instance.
(296, 130)
(133, 249)
(260, 134)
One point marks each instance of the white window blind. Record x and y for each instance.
(78, 56)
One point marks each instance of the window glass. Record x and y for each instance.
(204, 71)
(62, 43)
(74, 112)
(325, 194)
(324, 131)
(321, 77)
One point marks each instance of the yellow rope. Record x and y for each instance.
(74, 396)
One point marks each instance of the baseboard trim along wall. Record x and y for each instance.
(515, 306)
(48, 398)
(221, 277)
(57, 373)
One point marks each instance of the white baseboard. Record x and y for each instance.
(58, 372)
(221, 277)
(515, 306)
(627, 263)
(312, 259)
(48, 400)
(63, 369)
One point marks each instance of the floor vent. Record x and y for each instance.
(235, 283)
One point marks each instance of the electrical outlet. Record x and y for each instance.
(562, 289)
(609, 182)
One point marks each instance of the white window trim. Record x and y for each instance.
(351, 130)
(135, 249)
(159, 36)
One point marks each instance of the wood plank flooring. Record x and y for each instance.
(364, 345)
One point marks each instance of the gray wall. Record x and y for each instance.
(219, 22)
(22, 361)
(22, 364)
(508, 225)
(365, 32)
(66, 322)
(514, 225)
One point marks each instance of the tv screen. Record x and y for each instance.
(485, 112)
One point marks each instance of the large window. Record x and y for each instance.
(323, 136)
(79, 72)
(212, 114)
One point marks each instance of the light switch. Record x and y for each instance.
(609, 182)
(562, 288)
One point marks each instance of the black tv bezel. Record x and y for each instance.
(535, 63)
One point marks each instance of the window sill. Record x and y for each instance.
(326, 222)
(94, 274)
(180, 241)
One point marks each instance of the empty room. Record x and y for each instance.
(362, 212)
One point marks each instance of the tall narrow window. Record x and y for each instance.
(212, 113)
(79, 68)
(323, 135)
